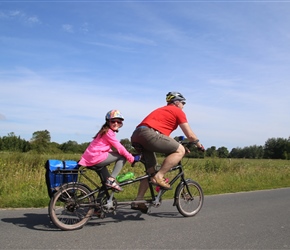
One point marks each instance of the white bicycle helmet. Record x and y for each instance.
(174, 96)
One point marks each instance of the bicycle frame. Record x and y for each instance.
(155, 200)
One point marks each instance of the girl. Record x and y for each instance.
(99, 153)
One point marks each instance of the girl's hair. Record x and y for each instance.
(104, 129)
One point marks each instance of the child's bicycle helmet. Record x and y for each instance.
(112, 114)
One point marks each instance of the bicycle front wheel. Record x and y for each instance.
(68, 209)
(189, 198)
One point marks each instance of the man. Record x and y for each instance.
(153, 134)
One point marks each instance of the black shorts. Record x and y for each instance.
(153, 141)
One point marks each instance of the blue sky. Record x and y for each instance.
(64, 64)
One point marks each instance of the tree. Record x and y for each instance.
(10, 142)
(127, 144)
(235, 153)
(40, 141)
(288, 148)
(222, 152)
(83, 146)
(251, 152)
(13, 143)
(211, 152)
(254, 152)
(70, 147)
(276, 148)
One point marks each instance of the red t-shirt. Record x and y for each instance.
(165, 119)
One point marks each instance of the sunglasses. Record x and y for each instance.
(183, 103)
(116, 121)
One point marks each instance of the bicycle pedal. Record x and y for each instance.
(149, 210)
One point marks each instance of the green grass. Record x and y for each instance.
(22, 177)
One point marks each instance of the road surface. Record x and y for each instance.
(250, 220)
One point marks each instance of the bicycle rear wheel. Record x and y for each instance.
(189, 198)
(68, 209)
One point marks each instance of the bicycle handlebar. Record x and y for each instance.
(188, 144)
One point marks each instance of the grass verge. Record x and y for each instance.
(23, 184)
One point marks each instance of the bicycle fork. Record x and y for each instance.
(182, 182)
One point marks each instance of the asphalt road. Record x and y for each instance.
(250, 220)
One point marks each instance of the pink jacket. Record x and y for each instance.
(99, 148)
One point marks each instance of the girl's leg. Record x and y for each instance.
(118, 165)
(103, 173)
(113, 157)
(119, 162)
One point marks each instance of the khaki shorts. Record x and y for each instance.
(153, 141)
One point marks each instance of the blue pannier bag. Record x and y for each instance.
(58, 173)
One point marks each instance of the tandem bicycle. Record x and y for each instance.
(73, 205)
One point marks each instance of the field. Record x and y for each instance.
(23, 177)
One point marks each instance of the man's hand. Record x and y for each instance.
(201, 148)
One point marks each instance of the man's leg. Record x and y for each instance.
(169, 162)
(144, 186)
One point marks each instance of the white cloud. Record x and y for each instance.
(85, 28)
(33, 19)
(112, 46)
(132, 39)
(19, 16)
(68, 28)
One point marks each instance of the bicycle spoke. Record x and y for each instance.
(190, 198)
(68, 210)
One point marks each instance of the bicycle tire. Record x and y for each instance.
(189, 205)
(65, 208)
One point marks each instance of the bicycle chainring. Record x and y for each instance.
(157, 203)
(108, 207)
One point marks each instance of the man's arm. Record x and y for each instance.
(191, 136)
